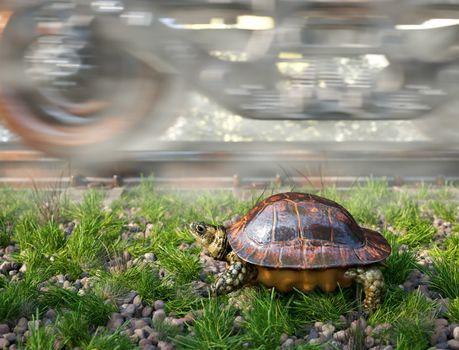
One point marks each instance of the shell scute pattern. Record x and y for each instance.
(297, 230)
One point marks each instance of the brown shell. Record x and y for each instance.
(304, 231)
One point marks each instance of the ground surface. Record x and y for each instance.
(100, 272)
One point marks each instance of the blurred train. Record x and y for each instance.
(81, 75)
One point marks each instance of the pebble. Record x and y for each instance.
(154, 337)
(288, 343)
(340, 336)
(141, 333)
(4, 343)
(21, 326)
(140, 324)
(283, 338)
(144, 342)
(159, 316)
(147, 311)
(4, 328)
(165, 345)
(440, 322)
(149, 257)
(237, 323)
(11, 337)
(313, 334)
(369, 341)
(129, 310)
(159, 304)
(456, 333)
(137, 300)
(50, 314)
(453, 344)
(149, 347)
(438, 336)
(128, 298)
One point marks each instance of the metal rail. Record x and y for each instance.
(239, 165)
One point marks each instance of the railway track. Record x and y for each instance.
(233, 165)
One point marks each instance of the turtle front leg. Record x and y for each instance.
(237, 274)
(373, 283)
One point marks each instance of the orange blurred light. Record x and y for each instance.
(4, 17)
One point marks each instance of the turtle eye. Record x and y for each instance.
(200, 229)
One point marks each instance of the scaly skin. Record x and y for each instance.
(237, 274)
(373, 284)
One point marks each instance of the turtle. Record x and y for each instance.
(298, 241)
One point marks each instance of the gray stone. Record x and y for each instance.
(381, 328)
(134, 338)
(440, 322)
(237, 323)
(453, 344)
(154, 337)
(13, 347)
(4, 343)
(318, 325)
(149, 257)
(141, 333)
(60, 279)
(340, 336)
(288, 343)
(11, 337)
(438, 336)
(115, 323)
(129, 311)
(369, 342)
(149, 347)
(159, 316)
(50, 314)
(139, 324)
(4, 328)
(78, 284)
(128, 298)
(5, 267)
(456, 333)
(163, 345)
(158, 305)
(137, 300)
(147, 310)
(22, 325)
(283, 337)
(144, 342)
(313, 334)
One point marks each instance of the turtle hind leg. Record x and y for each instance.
(236, 275)
(372, 281)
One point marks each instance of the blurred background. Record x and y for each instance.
(258, 88)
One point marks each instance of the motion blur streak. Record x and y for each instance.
(4, 17)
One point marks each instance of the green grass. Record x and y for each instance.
(102, 234)
(214, 329)
(319, 306)
(399, 264)
(453, 310)
(362, 201)
(18, 299)
(266, 319)
(41, 338)
(406, 217)
(411, 316)
(444, 210)
(446, 277)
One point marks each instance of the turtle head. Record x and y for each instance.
(211, 237)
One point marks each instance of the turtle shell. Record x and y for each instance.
(304, 231)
